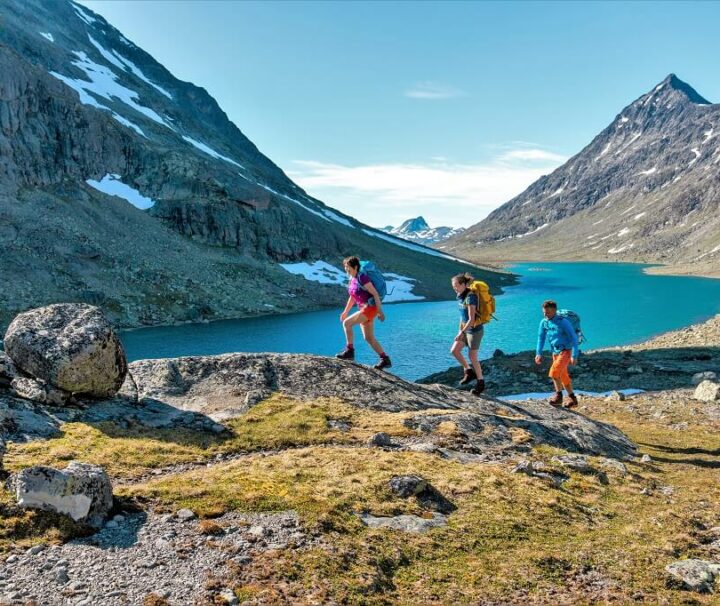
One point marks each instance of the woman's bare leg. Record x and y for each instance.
(368, 331)
(357, 318)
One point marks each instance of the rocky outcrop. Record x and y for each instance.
(81, 491)
(225, 386)
(70, 346)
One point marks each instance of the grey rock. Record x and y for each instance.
(30, 389)
(575, 462)
(229, 596)
(406, 523)
(617, 396)
(380, 439)
(185, 515)
(646, 459)
(634, 370)
(81, 490)
(35, 549)
(11, 559)
(707, 391)
(7, 369)
(61, 576)
(71, 346)
(407, 486)
(694, 574)
(612, 464)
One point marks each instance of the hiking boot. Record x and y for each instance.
(346, 354)
(479, 387)
(383, 363)
(556, 400)
(573, 403)
(468, 375)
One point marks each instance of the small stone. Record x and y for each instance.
(229, 596)
(258, 531)
(617, 396)
(77, 586)
(61, 576)
(119, 518)
(645, 459)
(185, 515)
(634, 370)
(111, 524)
(380, 439)
(11, 559)
(35, 549)
(707, 391)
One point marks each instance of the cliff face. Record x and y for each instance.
(125, 187)
(645, 189)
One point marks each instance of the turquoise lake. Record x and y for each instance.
(618, 303)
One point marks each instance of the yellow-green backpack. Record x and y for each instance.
(486, 307)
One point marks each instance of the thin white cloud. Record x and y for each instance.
(433, 90)
(445, 194)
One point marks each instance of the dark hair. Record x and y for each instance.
(549, 303)
(353, 262)
(465, 278)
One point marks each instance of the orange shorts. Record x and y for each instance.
(369, 311)
(559, 368)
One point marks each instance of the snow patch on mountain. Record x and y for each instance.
(209, 151)
(103, 82)
(111, 185)
(83, 14)
(47, 36)
(319, 271)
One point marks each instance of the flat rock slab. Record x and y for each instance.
(406, 523)
(693, 574)
(200, 392)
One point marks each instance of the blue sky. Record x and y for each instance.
(388, 110)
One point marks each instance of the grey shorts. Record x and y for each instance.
(474, 338)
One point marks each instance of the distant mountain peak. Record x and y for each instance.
(416, 224)
(673, 83)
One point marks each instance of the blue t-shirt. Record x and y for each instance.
(464, 300)
(560, 335)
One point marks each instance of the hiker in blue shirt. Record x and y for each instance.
(563, 341)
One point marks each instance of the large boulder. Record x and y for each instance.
(81, 490)
(69, 345)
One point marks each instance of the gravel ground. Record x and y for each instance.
(138, 554)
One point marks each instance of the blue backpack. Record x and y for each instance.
(378, 280)
(574, 320)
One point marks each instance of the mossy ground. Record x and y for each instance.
(512, 539)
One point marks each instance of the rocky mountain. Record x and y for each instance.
(645, 189)
(124, 187)
(417, 230)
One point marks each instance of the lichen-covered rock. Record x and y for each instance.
(69, 345)
(81, 491)
(693, 574)
(707, 391)
(407, 486)
(30, 389)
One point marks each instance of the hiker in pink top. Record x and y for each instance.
(363, 294)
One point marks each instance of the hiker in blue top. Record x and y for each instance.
(563, 341)
(469, 335)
